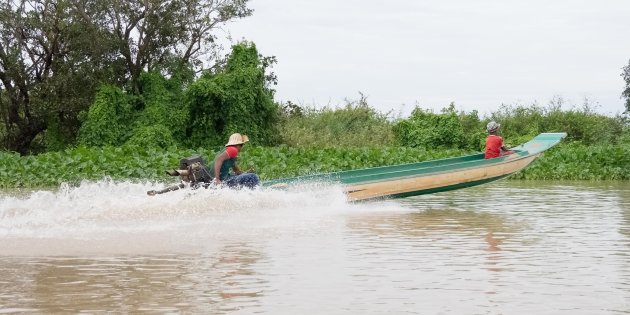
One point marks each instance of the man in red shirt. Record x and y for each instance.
(226, 161)
(494, 143)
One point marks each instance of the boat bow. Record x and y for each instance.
(426, 177)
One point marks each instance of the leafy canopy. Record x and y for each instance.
(237, 98)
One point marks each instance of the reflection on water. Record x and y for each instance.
(505, 248)
(133, 284)
(432, 225)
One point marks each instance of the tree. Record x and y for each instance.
(109, 120)
(54, 54)
(626, 92)
(157, 34)
(235, 98)
(45, 69)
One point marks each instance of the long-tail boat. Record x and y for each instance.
(427, 177)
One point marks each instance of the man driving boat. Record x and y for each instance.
(226, 160)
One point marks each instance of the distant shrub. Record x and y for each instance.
(581, 124)
(234, 99)
(474, 131)
(109, 120)
(426, 129)
(157, 136)
(354, 125)
(163, 105)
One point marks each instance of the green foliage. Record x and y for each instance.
(48, 72)
(583, 124)
(156, 136)
(55, 55)
(425, 129)
(163, 111)
(474, 131)
(235, 99)
(161, 120)
(572, 161)
(53, 136)
(576, 161)
(129, 136)
(83, 163)
(162, 102)
(519, 124)
(357, 124)
(149, 163)
(205, 102)
(109, 121)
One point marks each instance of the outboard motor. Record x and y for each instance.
(191, 170)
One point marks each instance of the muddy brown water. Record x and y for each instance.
(509, 247)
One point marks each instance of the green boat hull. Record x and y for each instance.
(447, 188)
(397, 181)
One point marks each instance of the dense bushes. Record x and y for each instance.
(146, 163)
(354, 125)
(581, 124)
(446, 130)
(129, 136)
(109, 120)
(235, 98)
(573, 161)
(576, 161)
(163, 112)
(519, 124)
(157, 136)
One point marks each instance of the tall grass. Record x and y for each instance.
(354, 125)
(581, 123)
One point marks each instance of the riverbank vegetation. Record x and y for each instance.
(597, 149)
(83, 96)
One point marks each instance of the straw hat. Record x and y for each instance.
(236, 139)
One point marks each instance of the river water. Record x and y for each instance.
(508, 247)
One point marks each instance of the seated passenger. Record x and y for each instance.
(494, 143)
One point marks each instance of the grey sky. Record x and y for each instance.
(479, 54)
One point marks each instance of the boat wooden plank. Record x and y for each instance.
(429, 176)
(411, 184)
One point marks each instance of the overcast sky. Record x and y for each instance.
(479, 54)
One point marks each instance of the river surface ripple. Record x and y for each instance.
(509, 247)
